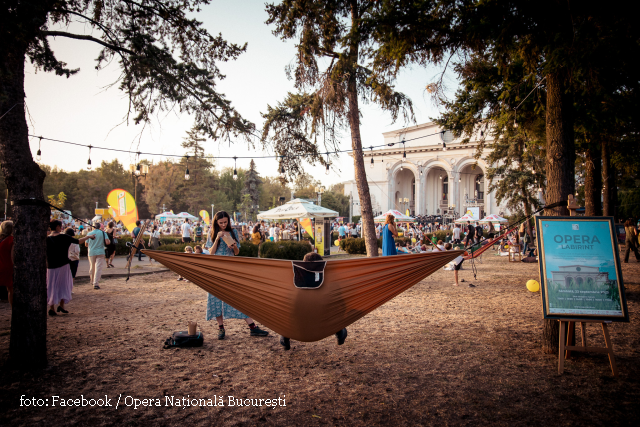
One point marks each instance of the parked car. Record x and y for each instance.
(622, 235)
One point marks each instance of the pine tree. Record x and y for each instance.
(339, 34)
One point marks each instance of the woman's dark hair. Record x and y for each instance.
(69, 232)
(312, 256)
(111, 224)
(256, 228)
(155, 227)
(55, 224)
(216, 228)
(628, 223)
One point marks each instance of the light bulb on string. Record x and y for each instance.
(444, 146)
(138, 169)
(235, 172)
(371, 148)
(39, 153)
(187, 176)
(89, 161)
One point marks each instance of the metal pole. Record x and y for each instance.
(5, 209)
(211, 212)
(350, 206)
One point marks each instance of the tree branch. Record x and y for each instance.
(89, 38)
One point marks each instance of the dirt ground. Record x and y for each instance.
(435, 355)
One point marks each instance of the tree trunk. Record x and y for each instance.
(366, 210)
(607, 208)
(592, 182)
(28, 346)
(560, 169)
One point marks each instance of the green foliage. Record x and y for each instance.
(248, 249)
(285, 250)
(355, 219)
(353, 246)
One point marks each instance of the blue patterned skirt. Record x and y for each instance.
(216, 308)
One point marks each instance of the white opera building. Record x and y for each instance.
(431, 173)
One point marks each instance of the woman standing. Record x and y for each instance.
(388, 233)
(59, 279)
(215, 307)
(154, 242)
(256, 236)
(112, 232)
(6, 258)
(631, 240)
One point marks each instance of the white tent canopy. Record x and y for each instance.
(186, 215)
(465, 218)
(298, 208)
(181, 215)
(495, 219)
(400, 217)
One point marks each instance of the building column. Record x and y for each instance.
(421, 189)
(390, 192)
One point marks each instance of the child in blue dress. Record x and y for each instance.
(215, 307)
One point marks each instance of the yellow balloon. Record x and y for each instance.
(337, 243)
(506, 246)
(533, 285)
(413, 240)
(400, 234)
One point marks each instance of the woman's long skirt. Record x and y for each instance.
(59, 285)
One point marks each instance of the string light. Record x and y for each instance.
(138, 169)
(371, 156)
(235, 172)
(89, 161)
(444, 146)
(186, 173)
(39, 153)
(327, 171)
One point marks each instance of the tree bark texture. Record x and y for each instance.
(592, 181)
(607, 208)
(24, 179)
(366, 209)
(560, 169)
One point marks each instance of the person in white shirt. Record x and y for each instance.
(456, 234)
(186, 231)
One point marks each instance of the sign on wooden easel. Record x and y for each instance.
(580, 276)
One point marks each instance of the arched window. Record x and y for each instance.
(479, 191)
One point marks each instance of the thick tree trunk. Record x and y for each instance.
(24, 179)
(366, 210)
(560, 169)
(607, 208)
(592, 181)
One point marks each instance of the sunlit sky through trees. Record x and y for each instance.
(82, 109)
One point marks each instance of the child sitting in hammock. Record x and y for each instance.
(340, 335)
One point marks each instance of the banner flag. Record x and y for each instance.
(306, 224)
(123, 207)
(205, 216)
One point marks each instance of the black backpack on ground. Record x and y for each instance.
(183, 339)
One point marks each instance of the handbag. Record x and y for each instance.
(183, 339)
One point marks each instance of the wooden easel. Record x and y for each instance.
(565, 349)
(134, 251)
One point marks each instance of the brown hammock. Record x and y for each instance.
(264, 289)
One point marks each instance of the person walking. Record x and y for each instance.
(112, 235)
(197, 231)
(6, 258)
(97, 250)
(59, 277)
(388, 233)
(471, 233)
(631, 240)
(215, 307)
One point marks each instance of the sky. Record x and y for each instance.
(82, 109)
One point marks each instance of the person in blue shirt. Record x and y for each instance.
(97, 259)
(342, 232)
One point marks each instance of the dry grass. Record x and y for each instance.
(435, 355)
